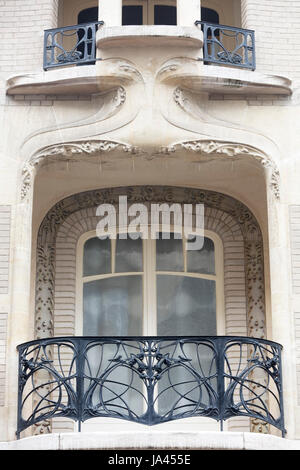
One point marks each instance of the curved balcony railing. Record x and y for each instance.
(149, 380)
(70, 45)
(228, 45)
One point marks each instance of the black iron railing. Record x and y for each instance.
(70, 45)
(149, 380)
(227, 45)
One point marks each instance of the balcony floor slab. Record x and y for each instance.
(153, 440)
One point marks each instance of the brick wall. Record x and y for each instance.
(5, 217)
(277, 31)
(22, 24)
(3, 343)
(4, 247)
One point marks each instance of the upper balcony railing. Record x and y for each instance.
(70, 45)
(149, 380)
(76, 45)
(227, 45)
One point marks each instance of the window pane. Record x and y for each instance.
(129, 255)
(165, 14)
(113, 307)
(203, 260)
(89, 15)
(132, 15)
(185, 306)
(96, 257)
(169, 254)
(209, 15)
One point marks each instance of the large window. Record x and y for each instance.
(149, 287)
(158, 12)
(209, 15)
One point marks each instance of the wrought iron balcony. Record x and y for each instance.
(149, 380)
(227, 45)
(70, 45)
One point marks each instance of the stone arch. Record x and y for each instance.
(232, 220)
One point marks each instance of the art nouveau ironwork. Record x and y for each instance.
(70, 45)
(149, 380)
(227, 45)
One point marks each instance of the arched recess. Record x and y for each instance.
(229, 218)
(75, 215)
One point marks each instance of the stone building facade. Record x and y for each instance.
(151, 105)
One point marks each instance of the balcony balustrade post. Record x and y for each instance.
(79, 381)
(220, 343)
(150, 385)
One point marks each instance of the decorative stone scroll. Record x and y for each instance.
(68, 152)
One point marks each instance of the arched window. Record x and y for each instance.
(150, 287)
(158, 12)
(209, 15)
(89, 15)
(147, 288)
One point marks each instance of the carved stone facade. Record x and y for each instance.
(207, 150)
(150, 119)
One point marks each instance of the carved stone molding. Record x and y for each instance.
(215, 149)
(68, 152)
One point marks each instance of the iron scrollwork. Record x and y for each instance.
(228, 45)
(70, 45)
(149, 380)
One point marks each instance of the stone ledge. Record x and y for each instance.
(112, 73)
(149, 35)
(153, 440)
(67, 81)
(193, 75)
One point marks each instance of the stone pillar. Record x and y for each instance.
(188, 11)
(281, 328)
(110, 11)
(21, 323)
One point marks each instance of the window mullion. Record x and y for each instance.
(113, 255)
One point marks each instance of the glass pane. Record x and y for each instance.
(169, 254)
(96, 257)
(203, 260)
(113, 307)
(129, 255)
(88, 15)
(132, 15)
(186, 306)
(165, 14)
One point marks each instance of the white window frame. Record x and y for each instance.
(149, 282)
